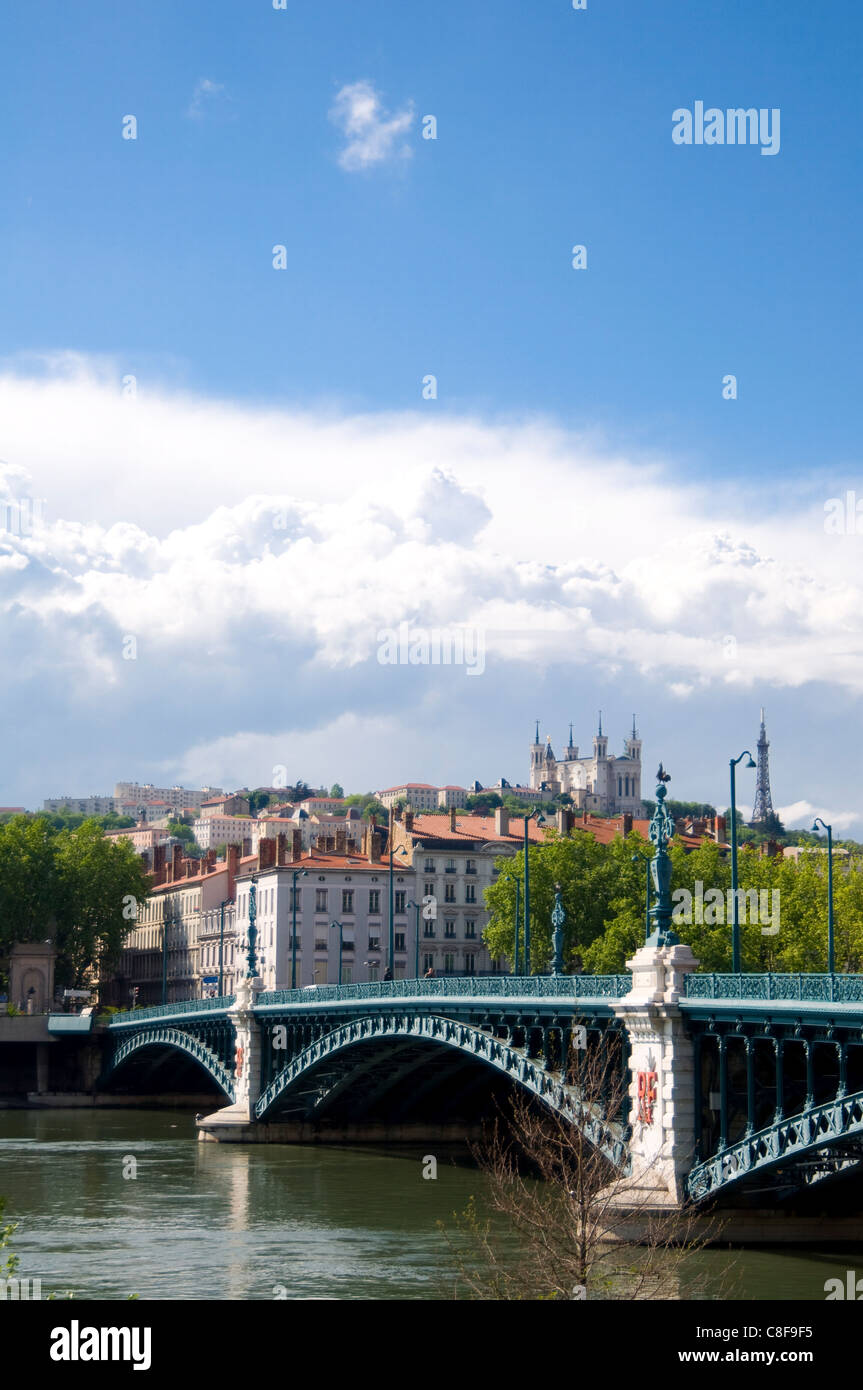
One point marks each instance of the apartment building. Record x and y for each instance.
(174, 926)
(177, 798)
(454, 862)
(351, 889)
(212, 831)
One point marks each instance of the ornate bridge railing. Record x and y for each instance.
(469, 987)
(831, 989)
(184, 1006)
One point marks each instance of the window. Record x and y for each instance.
(469, 963)
(429, 866)
(619, 787)
(374, 900)
(373, 970)
(320, 944)
(374, 943)
(347, 900)
(450, 866)
(428, 928)
(347, 973)
(470, 893)
(400, 896)
(400, 940)
(449, 892)
(449, 926)
(428, 962)
(470, 866)
(295, 898)
(449, 963)
(320, 900)
(428, 889)
(470, 930)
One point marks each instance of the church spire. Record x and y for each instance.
(600, 724)
(536, 740)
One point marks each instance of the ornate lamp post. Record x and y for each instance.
(341, 928)
(297, 873)
(558, 919)
(416, 907)
(252, 971)
(661, 831)
(222, 907)
(831, 963)
(735, 905)
(510, 878)
(540, 820)
(401, 850)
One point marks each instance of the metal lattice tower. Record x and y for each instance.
(763, 808)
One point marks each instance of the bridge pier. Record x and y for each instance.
(662, 1074)
(235, 1118)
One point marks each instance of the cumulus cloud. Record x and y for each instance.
(372, 134)
(255, 555)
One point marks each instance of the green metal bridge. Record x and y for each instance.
(776, 1061)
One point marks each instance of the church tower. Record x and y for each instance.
(537, 761)
(632, 745)
(571, 748)
(600, 742)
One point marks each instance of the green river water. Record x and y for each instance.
(212, 1221)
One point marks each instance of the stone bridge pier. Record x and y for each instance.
(662, 1073)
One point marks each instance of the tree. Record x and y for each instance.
(569, 1224)
(100, 884)
(336, 790)
(28, 880)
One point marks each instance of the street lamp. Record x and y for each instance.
(646, 860)
(222, 907)
(253, 930)
(540, 820)
(831, 964)
(297, 873)
(341, 927)
(401, 850)
(510, 878)
(416, 906)
(735, 905)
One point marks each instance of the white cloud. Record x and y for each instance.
(800, 815)
(373, 135)
(255, 553)
(206, 93)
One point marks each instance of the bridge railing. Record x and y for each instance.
(464, 987)
(830, 989)
(182, 1006)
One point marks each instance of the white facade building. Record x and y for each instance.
(601, 783)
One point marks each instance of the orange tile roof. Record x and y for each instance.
(470, 828)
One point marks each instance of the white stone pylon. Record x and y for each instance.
(662, 1071)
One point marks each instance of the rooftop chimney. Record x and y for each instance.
(281, 848)
(501, 820)
(452, 818)
(296, 844)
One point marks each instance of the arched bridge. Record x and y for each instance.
(734, 1083)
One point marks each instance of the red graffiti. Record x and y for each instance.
(646, 1096)
(239, 1061)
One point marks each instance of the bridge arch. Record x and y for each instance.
(330, 1066)
(164, 1036)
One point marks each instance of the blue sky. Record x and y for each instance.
(153, 257)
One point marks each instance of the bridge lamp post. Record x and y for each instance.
(401, 850)
(735, 905)
(540, 820)
(222, 907)
(646, 860)
(297, 873)
(341, 927)
(831, 963)
(416, 907)
(510, 878)
(253, 929)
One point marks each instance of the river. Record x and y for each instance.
(213, 1221)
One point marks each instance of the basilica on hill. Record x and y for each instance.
(602, 783)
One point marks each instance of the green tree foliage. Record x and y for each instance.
(604, 898)
(369, 806)
(337, 790)
(73, 887)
